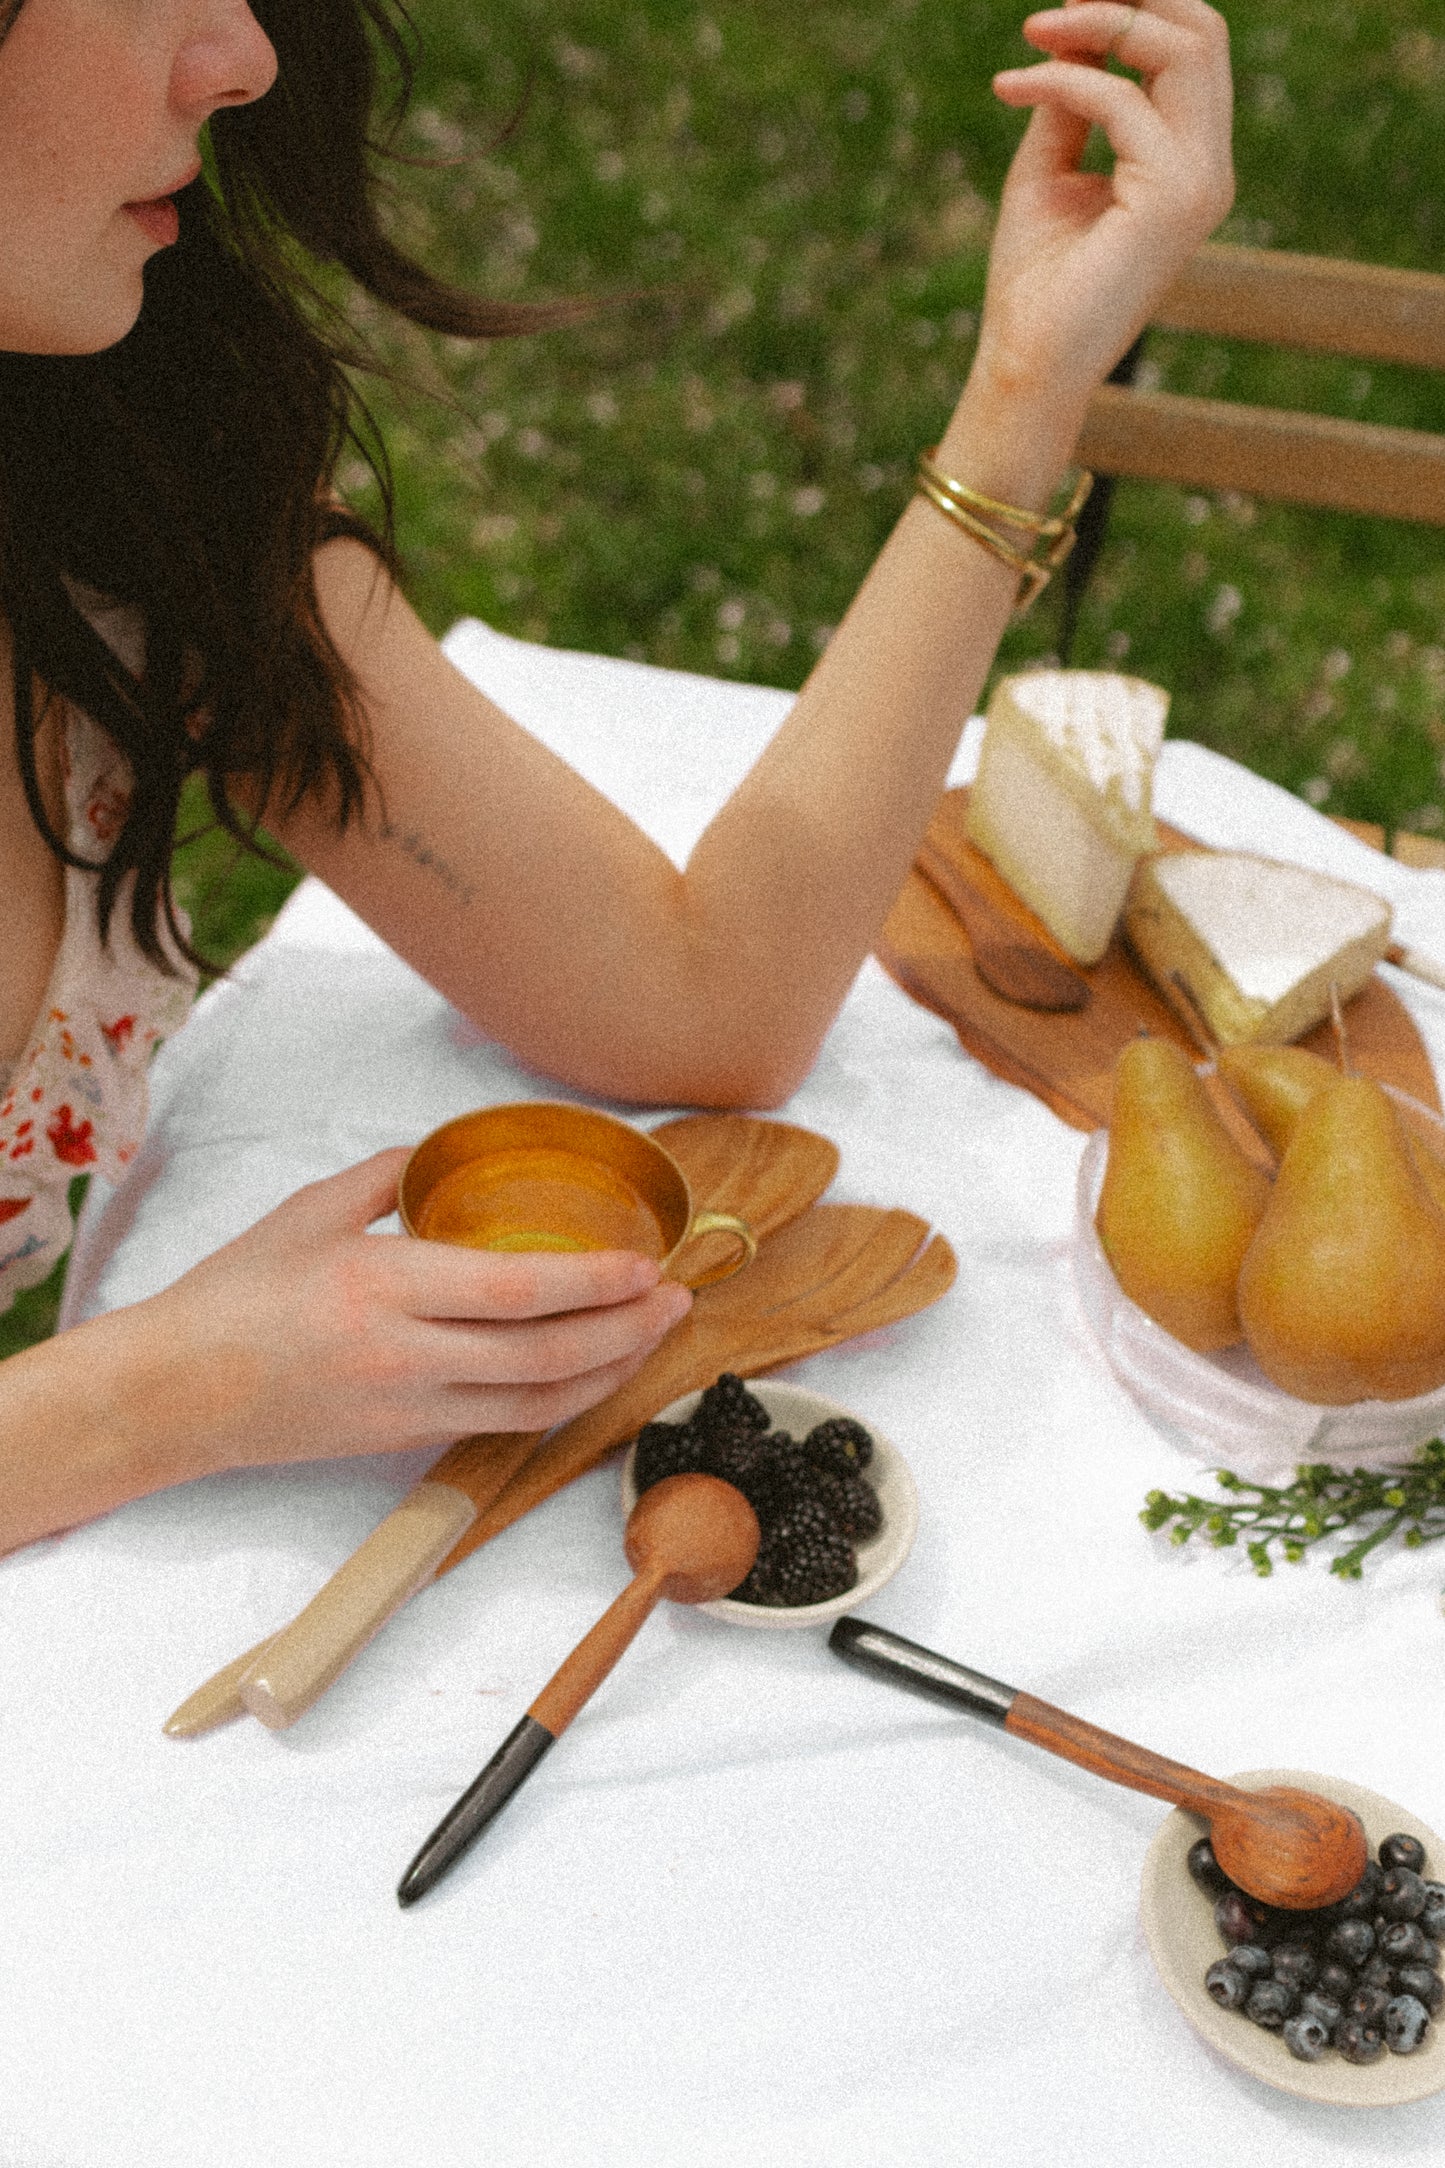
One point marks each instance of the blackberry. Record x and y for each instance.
(852, 1501)
(840, 1443)
(802, 1559)
(729, 1406)
(664, 1449)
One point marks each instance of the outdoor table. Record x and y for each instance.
(755, 1907)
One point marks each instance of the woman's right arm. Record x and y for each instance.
(308, 1338)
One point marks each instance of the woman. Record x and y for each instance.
(177, 593)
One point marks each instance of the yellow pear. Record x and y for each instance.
(1273, 1084)
(1342, 1292)
(1180, 1202)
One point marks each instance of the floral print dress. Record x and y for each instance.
(75, 1102)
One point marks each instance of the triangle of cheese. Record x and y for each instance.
(1061, 803)
(1252, 946)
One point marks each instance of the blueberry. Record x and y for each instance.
(1402, 1851)
(1360, 1903)
(1305, 2037)
(1228, 1986)
(1324, 2007)
(1208, 1873)
(1429, 1951)
(1426, 1986)
(1403, 1943)
(1379, 1972)
(1402, 1894)
(1369, 2005)
(1358, 2042)
(1336, 1980)
(1253, 1960)
(1352, 1942)
(1270, 2003)
(1237, 1918)
(1406, 2023)
(1295, 1965)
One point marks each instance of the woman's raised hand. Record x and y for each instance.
(1079, 259)
(308, 1338)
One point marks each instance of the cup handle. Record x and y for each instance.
(718, 1223)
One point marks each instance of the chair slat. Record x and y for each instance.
(1264, 452)
(1318, 304)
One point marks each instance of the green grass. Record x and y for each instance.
(803, 195)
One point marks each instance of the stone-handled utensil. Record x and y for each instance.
(1286, 1847)
(690, 1538)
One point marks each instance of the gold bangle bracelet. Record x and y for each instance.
(962, 505)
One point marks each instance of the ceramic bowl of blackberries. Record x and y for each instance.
(834, 1499)
(1345, 2005)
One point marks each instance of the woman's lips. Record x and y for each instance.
(159, 219)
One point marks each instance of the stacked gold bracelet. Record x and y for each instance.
(1052, 534)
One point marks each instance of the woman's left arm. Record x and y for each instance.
(537, 907)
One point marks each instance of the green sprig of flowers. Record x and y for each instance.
(1407, 1501)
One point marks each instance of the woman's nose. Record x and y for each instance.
(226, 59)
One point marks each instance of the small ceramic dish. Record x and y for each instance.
(792, 1408)
(1178, 1921)
(1223, 1407)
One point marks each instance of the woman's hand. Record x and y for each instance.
(308, 1338)
(1080, 259)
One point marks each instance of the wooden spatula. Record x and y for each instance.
(765, 1171)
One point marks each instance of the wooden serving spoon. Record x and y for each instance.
(1287, 1848)
(690, 1538)
(1013, 966)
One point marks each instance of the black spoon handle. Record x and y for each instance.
(873, 1648)
(514, 1760)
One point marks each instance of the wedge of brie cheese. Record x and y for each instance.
(1062, 799)
(1251, 946)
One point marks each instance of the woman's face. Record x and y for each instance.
(101, 107)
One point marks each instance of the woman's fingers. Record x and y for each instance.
(1111, 102)
(542, 1350)
(445, 1280)
(1112, 30)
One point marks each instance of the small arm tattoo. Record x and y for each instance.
(420, 852)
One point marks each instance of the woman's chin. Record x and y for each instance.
(91, 328)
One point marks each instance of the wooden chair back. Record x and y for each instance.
(1314, 304)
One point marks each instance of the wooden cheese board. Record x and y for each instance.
(1067, 1060)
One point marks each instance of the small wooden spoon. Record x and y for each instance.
(1287, 1848)
(690, 1538)
(1009, 963)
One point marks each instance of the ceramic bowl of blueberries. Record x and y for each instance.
(1375, 1945)
(834, 1497)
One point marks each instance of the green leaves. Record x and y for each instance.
(1321, 1504)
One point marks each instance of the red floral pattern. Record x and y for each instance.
(77, 1099)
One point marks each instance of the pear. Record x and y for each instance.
(1342, 1292)
(1180, 1202)
(1273, 1084)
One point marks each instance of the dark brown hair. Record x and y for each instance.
(184, 472)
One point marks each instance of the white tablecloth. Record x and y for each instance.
(755, 1907)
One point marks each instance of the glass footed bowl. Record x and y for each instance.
(1222, 1408)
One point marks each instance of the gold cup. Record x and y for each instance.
(543, 1175)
